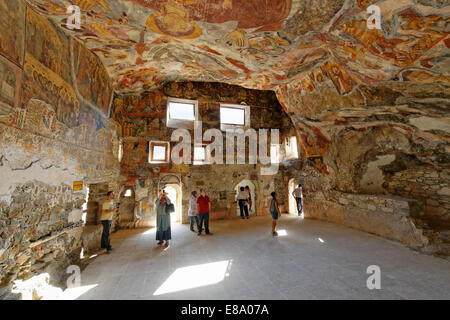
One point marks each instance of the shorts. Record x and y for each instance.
(274, 215)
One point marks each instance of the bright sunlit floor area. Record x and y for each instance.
(308, 260)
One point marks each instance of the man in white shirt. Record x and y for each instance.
(242, 198)
(107, 217)
(298, 195)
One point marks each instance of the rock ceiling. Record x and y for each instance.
(260, 44)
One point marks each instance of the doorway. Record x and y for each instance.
(244, 183)
(171, 183)
(174, 194)
(293, 183)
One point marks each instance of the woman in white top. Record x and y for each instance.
(298, 195)
(249, 200)
(192, 213)
(242, 199)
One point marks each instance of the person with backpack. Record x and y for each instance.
(298, 195)
(192, 213)
(164, 208)
(242, 199)
(275, 212)
(249, 201)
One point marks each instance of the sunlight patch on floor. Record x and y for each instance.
(74, 293)
(193, 277)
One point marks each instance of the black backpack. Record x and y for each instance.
(170, 208)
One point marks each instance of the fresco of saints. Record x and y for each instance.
(176, 17)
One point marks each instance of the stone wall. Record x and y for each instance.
(390, 138)
(50, 137)
(220, 182)
(142, 118)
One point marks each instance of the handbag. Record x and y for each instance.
(170, 208)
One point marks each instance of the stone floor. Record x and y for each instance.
(313, 260)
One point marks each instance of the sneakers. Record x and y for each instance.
(248, 218)
(199, 233)
(274, 233)
(192, 230)
(242, 218)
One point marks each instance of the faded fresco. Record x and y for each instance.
(42, 83)
(261, 44)
(90, 77)
(10, 84)
(12, 37)
(142, 117)
(48, 45)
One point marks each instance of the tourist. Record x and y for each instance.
(298, 195)
(242, 199)
(274, 211)
(163, 231)
(192, 213)
(203, 209)
(249, 201)
(106, 219)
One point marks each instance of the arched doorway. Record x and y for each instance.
(175, 197)
(250, 184)
(171, 184)
(293, 183)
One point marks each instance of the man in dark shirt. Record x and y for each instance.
(203, 209)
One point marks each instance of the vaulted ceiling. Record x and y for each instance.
(260, 44)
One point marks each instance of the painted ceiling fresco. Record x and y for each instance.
(260, 44)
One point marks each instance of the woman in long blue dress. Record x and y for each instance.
(163, 231)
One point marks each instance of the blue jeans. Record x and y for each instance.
(243, 207)
(203, 217)
(105, 235)
(194, 219)
(299, 205)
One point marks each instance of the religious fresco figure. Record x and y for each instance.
(176, 17)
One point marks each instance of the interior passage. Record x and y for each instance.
(309, 260)
(123, 120)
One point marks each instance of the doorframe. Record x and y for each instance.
(250, 184)
(292, 205)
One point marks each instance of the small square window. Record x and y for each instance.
(199, 155)
(159, 152)
(275, 153)
(181, 111)
(233, 116)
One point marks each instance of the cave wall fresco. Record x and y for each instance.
(352, 115)
(405, 121)
(218, 40)
(48, 140)
(12, 39)
(143, 118)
